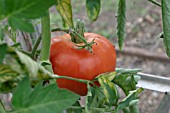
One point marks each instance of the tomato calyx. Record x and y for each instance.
(77, 36)
(87, 45)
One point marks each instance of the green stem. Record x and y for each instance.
(46, 37)
(75, 79)
(2, 104)
(134, 108)
(72, 32)
(155, 2)
(80, 37)
(36, 46)
(79, 29)
(60, 29)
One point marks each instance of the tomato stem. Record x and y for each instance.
(79, 29)
(46, 37)
(77, 36)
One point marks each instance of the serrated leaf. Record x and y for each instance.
(31, 66)
(166, 24)
(89, 98)
(133, 95)
(109, 90)
(6, 73)
(93, 9)
(19, 11)
(94, 100)
(49, 99)
(109, 75)
(3, 48)
(65, 10)
(121, 22)
(21, 24)
(9, 77)
(26, 9)
(18, 65)
(21, 93)
(125, 79)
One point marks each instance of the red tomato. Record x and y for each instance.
(70, 61)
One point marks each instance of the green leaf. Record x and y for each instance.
(21, 24)
(19, 11)
(2, 11)
(77, 104)
(3, 48)
(9, 77)
(16, 66)
(21, 93)
(25, 8)
(109, 90)
(121, 22)
(94, 100)
(166, 24)
(65, 10)
(6, 73)
(133, 95)
(93, 9)
(49, 99)
(125, 79)
(89, 98)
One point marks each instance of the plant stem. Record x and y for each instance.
(36, 46)
(75, 79)
(2, 104)
(46, 37)
(79, 29)
(79, 36)
(60, 29)
(134, 108)
(155, 2)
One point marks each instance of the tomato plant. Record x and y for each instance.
(80, 61)
(67, 59)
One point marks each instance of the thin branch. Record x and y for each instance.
(36, 46)
(75, 79)
(2, 104)
(155, 2)
(60, 29)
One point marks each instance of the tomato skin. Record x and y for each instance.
(68, 60)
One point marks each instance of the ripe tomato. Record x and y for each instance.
(70, 61)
